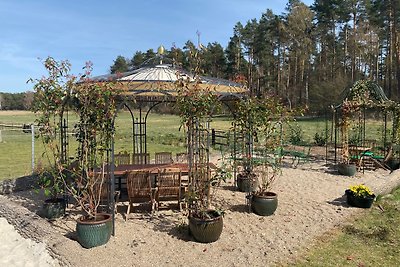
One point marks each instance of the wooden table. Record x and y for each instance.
(121, 170)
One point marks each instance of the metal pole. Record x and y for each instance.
(33, 146)
(111, 171)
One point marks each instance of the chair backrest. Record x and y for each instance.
(122, 158)
(163, 157)
(141, 158)
(182, 157)
(169, 182)
(139, 185)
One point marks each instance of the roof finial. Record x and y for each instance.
(160, 52)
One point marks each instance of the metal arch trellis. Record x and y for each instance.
(370, 97)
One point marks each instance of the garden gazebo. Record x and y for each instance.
(154, 84)
(151, 85)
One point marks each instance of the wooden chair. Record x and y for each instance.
(122, 158)
(182, 157)
(168, 186)
(163, 158)
(141, 158)
(139, 189)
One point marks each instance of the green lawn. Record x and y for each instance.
(163, 134)
(371, 239)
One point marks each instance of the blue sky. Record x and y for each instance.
(99, 31)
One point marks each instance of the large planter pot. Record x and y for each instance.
(393, 164)
(347, 169)
(264, 204)
(54, 208)
(206, 230)
(246, 183)
(359, 202)
(94, 232)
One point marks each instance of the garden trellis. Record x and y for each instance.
(364, 98)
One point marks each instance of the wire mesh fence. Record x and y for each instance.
(19, 151)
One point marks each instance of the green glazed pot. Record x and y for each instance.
(347, 169)
(94, 233)
(264, 204)
(54, 208)
(393, 164)
(206, 230)
(245, 184)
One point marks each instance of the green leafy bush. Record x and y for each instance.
(320, 138)
(296, 135)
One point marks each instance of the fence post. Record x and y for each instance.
(33, 147)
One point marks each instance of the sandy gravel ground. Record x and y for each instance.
(18, 251)
(311, 202)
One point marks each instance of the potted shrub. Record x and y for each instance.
(94, 103)
(51, 182)
(48, 105)
(345, 167)
(360, 196)
(263, 201)
(260, 121)
(205, 221)
(196, 104)
(246, 180)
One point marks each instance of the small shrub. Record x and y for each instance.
(296, 135)
(320, 138)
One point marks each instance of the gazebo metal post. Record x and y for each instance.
(334, 131)
(364, 126)
(133, 127)
(249, 152)
(233, 155)
(110, 168)
(326, 136)
(385, 133)
(141, 150)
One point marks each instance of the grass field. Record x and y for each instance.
(371, 239)
(163, 134)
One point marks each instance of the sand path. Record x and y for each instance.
(311, 202)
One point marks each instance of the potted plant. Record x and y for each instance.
(95, 105)
(196, 104)
(263, 201)
(259, 120)
(49, 105)
(345, 167)
(205, 221)
(360, 196)
(51, 182)
(246, 179)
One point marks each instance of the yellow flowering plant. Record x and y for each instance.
(361, 191)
